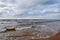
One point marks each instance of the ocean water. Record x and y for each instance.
(45, 28)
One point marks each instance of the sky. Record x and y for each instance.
(30, 9)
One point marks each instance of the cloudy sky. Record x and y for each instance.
(30, 9)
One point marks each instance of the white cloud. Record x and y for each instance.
(29, 3)
(47, 16)
(30, 7)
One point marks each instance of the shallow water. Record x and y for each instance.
(40, 30)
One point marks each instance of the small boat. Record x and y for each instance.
(10, 28)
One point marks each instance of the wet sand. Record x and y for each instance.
(17, 35)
